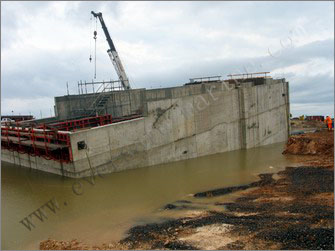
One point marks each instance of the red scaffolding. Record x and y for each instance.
(51, 140)
(42, 142)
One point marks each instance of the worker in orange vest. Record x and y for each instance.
(329, 122)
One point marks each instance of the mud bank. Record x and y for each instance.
(293, 212)
(319, 143)
(293, 209)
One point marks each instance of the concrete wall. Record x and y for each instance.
(183, 126)
(182, 123)
(39, 163)
(265, 114)
(122, 103)
(119, 103)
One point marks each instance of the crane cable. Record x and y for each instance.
(95, 48)
(90, 58)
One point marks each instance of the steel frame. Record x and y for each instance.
(51, 141)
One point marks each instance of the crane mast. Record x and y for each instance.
(113, 55)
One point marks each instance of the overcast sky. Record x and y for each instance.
(163, 44)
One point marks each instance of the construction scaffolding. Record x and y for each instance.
(38, 141)
(251, 75)
(50, 140)
(103, 86)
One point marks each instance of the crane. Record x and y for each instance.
(112, 53)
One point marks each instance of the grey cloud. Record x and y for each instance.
(82, 13)
(317, 89)
(198, 67)
(12, 14)
(45, 73)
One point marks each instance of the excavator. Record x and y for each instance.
(112, 53)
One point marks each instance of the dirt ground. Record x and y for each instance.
(319, 143)
(304, 124)
(293, 209)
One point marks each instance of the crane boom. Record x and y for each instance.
(113, 55)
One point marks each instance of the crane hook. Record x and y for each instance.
(90, 58)
(95, 34)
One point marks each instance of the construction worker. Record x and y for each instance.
(329, 122)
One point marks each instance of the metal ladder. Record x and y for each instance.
(100, 101)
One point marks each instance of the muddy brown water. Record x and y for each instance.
(104, 211)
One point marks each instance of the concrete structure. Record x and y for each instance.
(178, 123)
(118, 103)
